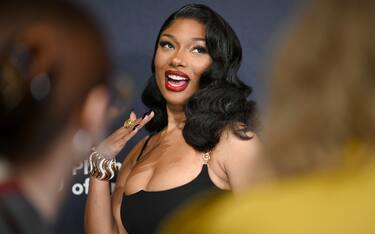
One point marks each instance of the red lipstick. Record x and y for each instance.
(176, 81)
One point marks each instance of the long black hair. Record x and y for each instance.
(221, 100)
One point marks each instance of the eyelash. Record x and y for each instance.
(168, 45)
(201, 49)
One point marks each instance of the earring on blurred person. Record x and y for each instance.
(14, 77)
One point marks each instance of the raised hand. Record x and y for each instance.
(113, 144)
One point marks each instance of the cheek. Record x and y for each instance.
(159, 71)
(161, 59)
(201, 67)
(157, 62)
(158, 67)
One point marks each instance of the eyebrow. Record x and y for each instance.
(174, 38)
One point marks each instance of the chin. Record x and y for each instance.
(176, 101)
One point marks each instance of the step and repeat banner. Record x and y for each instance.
(130, 28)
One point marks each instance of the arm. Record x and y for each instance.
(101, 207)
(98, 213)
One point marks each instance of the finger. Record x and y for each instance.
(133, 116)
(138, 125)
(130, 122)
(148, 117)
(130, 131)
(145, 120)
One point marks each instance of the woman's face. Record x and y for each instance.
(180, 60)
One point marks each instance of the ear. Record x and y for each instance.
(40, 38)
(94, 111)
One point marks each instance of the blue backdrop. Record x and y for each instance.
(131, 27)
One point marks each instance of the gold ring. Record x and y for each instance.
(129, 123)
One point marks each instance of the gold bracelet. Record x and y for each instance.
(100, 167)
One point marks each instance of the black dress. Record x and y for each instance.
(142, 212)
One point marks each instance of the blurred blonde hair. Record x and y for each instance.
(322, 86)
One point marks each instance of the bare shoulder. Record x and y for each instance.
(235, 147)
(239, 157)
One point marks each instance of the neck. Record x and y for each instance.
(176, 117)
(40, 182)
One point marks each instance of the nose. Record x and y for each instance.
(178, 59)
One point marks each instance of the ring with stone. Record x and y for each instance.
(129, 123)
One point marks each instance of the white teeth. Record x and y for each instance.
(175, 77)
(174, 85)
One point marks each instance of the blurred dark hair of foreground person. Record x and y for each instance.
(319, 134)
(53, 98)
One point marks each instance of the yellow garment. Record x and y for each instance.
(337, 201)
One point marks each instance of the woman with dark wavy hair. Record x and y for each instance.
(323, 179)
(200, 122)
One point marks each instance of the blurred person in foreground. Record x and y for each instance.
(319, 134)
(53, 97)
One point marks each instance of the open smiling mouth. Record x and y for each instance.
(176, 81)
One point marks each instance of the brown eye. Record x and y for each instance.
(166, 44)
(200, 50)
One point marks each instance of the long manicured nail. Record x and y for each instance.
(147, 113)
(135, 126)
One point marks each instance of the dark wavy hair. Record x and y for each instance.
(221, 100)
